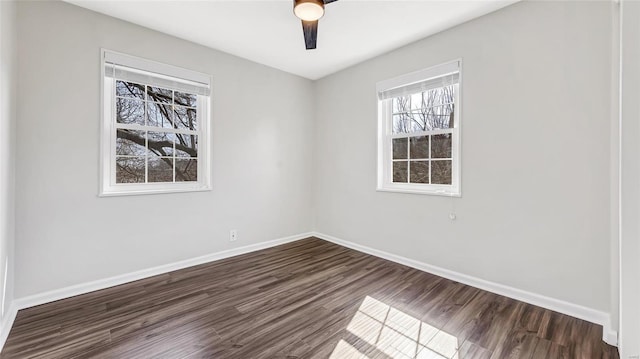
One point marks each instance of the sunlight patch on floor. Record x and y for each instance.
(345, 350)
(398, 335)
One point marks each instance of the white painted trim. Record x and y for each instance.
(83, 288)
(591, 315)
(155, 67)
(609, 334)
(57, 294)
(7, 323)
(620, 335)
(431, 72)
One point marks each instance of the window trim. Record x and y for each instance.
(385, 135)
(107, 160)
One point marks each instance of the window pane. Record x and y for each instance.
(441, 146)
(400, 148)
(157, 94)
(425, 119)
(130, 169)
(400, 124)
(424, 111)
(419, 147)
(419, 172)
(129, 89)
(160, 144)
(160, 169)
(130, 143)
(416, 101)
(408, 122)
(186, 169)
(130, 111)
(160, 115)
(185, 118)
(401, 104)
(400, 169)
(435, 97)
(186, 145)
(441, 172)
(437, 117)
(185, 99)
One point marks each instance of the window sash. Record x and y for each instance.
(129, 126)
(421, 133)
(454, 141)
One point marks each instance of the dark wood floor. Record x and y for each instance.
(307, 299)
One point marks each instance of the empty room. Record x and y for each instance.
(344, 179)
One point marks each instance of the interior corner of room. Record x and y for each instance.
(541, 206)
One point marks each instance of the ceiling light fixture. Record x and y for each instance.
(308, 10)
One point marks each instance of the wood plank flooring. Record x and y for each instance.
(306, 299)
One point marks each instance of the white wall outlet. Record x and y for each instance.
(233, 235)
(452, 216)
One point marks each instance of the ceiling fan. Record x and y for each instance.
(310, 11)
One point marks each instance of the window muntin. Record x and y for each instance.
(419, 132)
(155, 128)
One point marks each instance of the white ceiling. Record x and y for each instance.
(267, 32)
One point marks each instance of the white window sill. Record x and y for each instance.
(422, 191)
(130, 191)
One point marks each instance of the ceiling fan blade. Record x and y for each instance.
(328, 1)
(310, 30)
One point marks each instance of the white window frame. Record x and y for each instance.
(386, 136)
(108, 185)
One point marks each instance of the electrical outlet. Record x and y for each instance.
(233, 235)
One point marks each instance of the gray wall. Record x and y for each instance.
(66, 235)
(537, 156)
(536, 126)
(630, 195)
(8, 66)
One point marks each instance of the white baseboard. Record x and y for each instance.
(609, 335)
(591, 315)
(574, 310)
(57, 294)
(7, 323)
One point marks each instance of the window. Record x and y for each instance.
(155, 132)
(419, 132)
